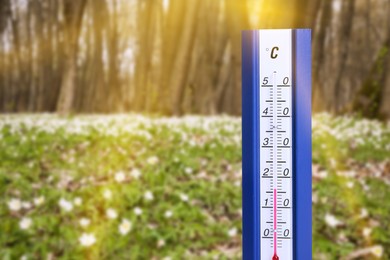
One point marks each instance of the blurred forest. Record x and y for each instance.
(175, 57)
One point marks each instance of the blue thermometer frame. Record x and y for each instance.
(302, 152)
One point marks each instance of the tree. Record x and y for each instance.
(372, 99)
(73, 13)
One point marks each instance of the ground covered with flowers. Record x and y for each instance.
(135, 187)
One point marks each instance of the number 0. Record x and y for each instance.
(285, 80)
(285, 111)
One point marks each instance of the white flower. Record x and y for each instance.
(77, 201)
(168, 214)
(137, 211)
(167, 258)
(202, 175)
(333, 162)
(184, 197)
(87, 239)
(23, 257)
(84, 222)
(188, 170)
(152, 160)
(26, 205)
(14, 204)
(366, 231)
(25, 223)
(148, 195)
(350, 184)
(160, 243)
(125, 226)
(135, 173)
(39, 200)
(111, 213)
(320, 174)
(332, 221)
(65, 205)
(120, 177)
(365, 187)
(107, 194)
(377, 251)
(363, 213)
(232, 232)
(314, 198)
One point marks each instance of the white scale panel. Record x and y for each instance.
(276, 191)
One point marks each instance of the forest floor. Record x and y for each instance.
(136, 187)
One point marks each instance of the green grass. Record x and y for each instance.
(192, 167)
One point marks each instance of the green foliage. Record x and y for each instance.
(177, 182)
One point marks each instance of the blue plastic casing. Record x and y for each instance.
(302, 154)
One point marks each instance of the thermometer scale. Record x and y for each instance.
(276, 144)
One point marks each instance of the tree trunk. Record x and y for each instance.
(74, 11)
(344, 35)
(322, 29)
(373, 99)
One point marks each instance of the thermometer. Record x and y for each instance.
(276, 123)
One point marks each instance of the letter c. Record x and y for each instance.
(274, 55)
